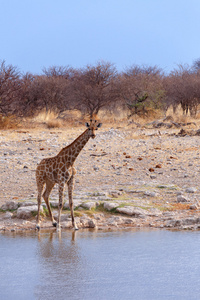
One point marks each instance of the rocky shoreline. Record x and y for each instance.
(125, 178)
(101, 215)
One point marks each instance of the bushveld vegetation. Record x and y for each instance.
(139, 90)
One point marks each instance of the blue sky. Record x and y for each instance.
(42, 33)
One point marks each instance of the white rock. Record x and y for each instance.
(7, 215)
(110, 205)
(89, 205)
(27, 211)
(132, 211)
(76, 203)
(26, 203)
(10, 205)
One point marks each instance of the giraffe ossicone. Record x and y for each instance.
(60, 169)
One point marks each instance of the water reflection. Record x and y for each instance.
(61, 263)
(100, 265)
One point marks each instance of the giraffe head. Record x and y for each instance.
(93, 125)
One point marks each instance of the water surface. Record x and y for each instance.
(139, 265)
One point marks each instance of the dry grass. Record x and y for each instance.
(8, 122)
(179, 117)
(117, 119)
(54, 124)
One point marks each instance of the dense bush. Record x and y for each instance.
(139, 89)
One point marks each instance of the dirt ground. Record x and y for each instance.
(148, 167)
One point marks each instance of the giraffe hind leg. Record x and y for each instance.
(49, 187)
(60, 206)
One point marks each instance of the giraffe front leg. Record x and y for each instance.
(70, 184)
(39, 200)
(60, 206)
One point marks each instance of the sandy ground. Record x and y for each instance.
(145, 167)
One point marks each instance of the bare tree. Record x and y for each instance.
(183, 88)
(94, 87)
(10, 87)
(142, 89)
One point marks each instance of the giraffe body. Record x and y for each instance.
(60, 169)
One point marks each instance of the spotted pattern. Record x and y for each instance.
(60, 169)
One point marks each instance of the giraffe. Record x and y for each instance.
(60, 169)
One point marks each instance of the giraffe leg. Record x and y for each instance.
(70, 184)
(49, 187)
(60, 206)
(40, 187)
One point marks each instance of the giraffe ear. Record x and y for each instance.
(87, 125)
(99, 125)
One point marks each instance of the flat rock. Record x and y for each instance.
(110, 205)
(27, 211)
(76, 204)
(89, 205)
(132, 211)
(26, 203)
(10, 205)
(191, 190)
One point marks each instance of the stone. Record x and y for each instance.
(10, 205)
(84, 221)
(26, 212)
(63, 217)
(181, 198)
(88, 205)
(150, 194)
(67, 224)
(7, 215)
(76, 204)
(115, 194)
(191, 221)
(191, 190)
(91, 223)
(26, 203)
(194, 206)
(128, 221)
(132, 211)
(115, 220)
(110, 205)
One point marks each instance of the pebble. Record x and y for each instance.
(181, 198)
(191, 190)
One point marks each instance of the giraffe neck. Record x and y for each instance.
(71, 152)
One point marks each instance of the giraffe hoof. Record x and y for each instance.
(37, 227)
(76, 228)
(54, 224)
